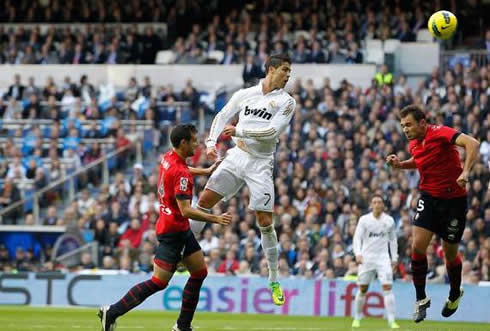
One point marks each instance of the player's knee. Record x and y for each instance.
(208, 199)
(265, 220)
(266, 229)
(159, 282)
(418, 251)
(201, 274)
(204, 203)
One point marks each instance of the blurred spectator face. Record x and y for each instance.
(29, 219)
(230, 255)
(20, 254)
(113, 228)
(108, 262)
(135, 224)
(100, 225)
(86, 258)
(208, 234)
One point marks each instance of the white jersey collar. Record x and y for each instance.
(261, 89)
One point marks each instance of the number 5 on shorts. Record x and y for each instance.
(268, 198)
(420, 205)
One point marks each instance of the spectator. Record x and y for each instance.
(9, 194)
(230, 265)
(16, 90)
(384, 77)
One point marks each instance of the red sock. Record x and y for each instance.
(137, 295)
(190, 298)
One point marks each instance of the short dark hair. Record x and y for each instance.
(415, 110)
(275, 60)
(181, 131)
(377, 195)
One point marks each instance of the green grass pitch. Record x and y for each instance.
(22, 318)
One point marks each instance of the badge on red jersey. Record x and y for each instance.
(183, 183)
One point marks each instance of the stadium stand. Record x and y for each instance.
(341, 135)
(198, 31)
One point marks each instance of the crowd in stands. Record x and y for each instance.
(82, 122)
(310, 31)
(329, 163)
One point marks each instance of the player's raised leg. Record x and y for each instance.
(190, 297)
(206, 202)
(137, 294)
(421, 240)
(454, 269)
(451, 234)
(224, 182)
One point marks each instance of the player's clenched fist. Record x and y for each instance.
(393, 161)
(223, 219)
(211, 153)
(462, 179)
(229, 130)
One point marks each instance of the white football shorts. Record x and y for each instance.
(369, 271)
(241, 168)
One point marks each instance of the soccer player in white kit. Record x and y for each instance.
(374, 233)
(265, 111)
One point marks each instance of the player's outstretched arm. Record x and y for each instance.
(393, 161)
(187, 211)
(471, 146)
(204, 171)
(220, 120)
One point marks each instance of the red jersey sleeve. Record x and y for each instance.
(183, 185)
(449, 134)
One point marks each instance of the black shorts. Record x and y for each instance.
(174, 247)
(445, 217)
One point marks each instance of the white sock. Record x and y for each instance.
(197, 226)
(359, 304)
(389, 299)
(269, 245)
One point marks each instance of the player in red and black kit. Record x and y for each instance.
(442, 206)
(176, 241)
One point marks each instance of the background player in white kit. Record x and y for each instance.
(265, 111)
(374, 233)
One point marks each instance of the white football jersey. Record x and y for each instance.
(372, 237)
(262, 118)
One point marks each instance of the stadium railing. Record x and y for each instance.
(68, 182)
(448, 59)
(73, 257)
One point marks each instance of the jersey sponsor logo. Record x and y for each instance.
(165, 165)
(376, 234)
(259, 112)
